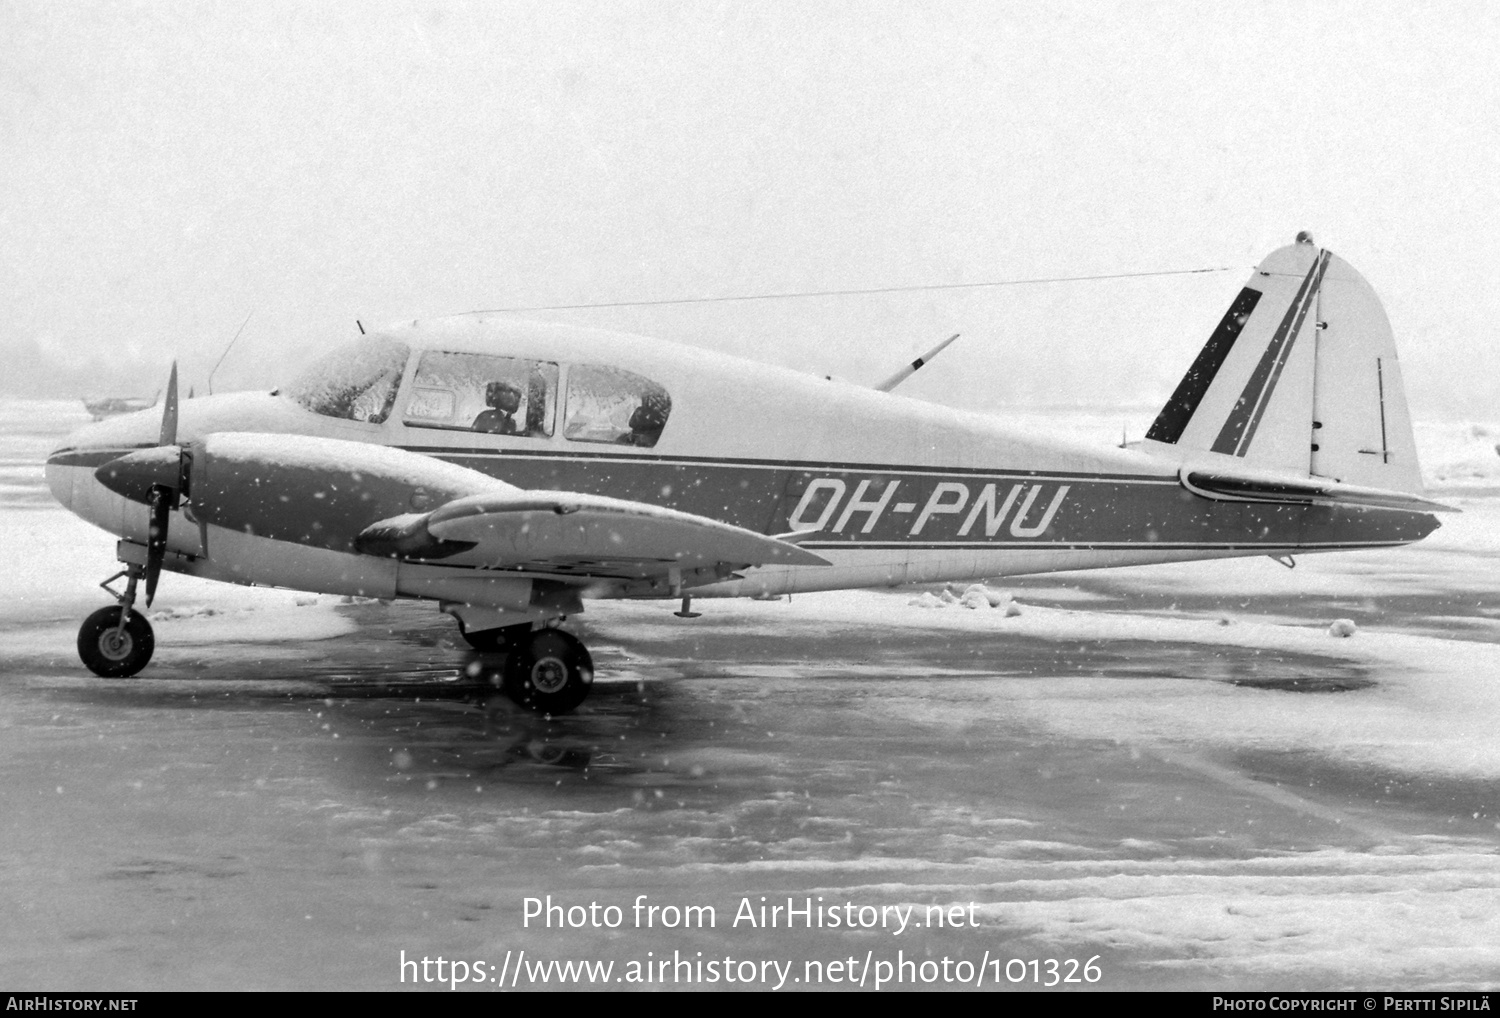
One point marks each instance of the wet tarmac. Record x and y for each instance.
(297, 815)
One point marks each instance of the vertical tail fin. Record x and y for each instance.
(1300, 376)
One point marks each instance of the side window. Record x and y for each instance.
(614, 406)
(476, 392)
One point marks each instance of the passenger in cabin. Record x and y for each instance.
(504, 399)
(645, 424)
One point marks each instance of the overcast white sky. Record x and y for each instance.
(171, 168)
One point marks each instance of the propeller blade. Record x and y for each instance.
(156, 537)
(169, 411)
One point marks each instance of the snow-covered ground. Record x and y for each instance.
(1175, 768)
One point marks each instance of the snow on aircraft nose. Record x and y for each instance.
(69, 467)
(72, 467)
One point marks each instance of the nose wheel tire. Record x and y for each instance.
(110, 651)
(548, 671)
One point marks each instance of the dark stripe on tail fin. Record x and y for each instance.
(1239, 428)
(1174, 417)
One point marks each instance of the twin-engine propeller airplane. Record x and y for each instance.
(511, 471)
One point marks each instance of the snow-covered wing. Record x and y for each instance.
(568, 533)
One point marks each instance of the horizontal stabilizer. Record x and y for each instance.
(574, 534)
(1250, 487)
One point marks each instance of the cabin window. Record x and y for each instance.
(356, 382)
(614, 406)
(477, 392)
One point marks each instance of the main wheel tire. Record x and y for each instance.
(110, 652)
(495, 641)
(549, 672)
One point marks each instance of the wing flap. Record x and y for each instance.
(1255, 487)
(575, 534)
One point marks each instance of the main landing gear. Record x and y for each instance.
(545, 670)
(116, 642)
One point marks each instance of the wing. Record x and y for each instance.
(571, 534)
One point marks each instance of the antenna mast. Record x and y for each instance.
(226, 352)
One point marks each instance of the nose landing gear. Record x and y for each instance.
(117, 642)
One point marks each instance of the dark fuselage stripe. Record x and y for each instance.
(91, 457)
(98, 457)
(457, 455)
(82, 457)
(870, 509)
(885, 508)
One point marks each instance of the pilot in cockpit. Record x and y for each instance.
(646, 424)
(503, 400)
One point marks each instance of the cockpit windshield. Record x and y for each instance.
(356, 382)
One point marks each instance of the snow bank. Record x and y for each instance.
(1459, 457)
(1393, 917)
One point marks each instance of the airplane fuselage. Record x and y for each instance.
(893, 489)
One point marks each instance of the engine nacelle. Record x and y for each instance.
(286, 510)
